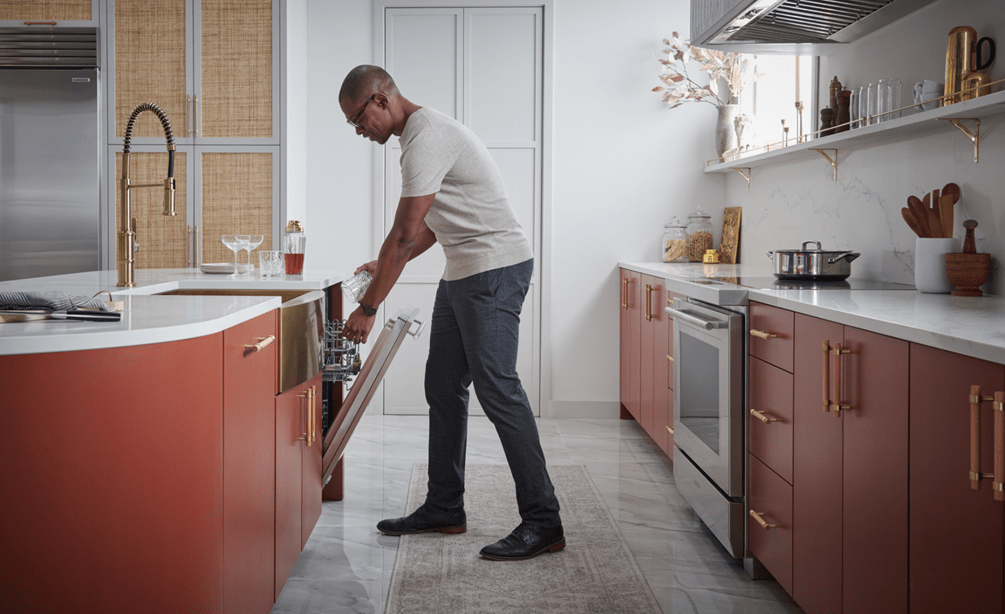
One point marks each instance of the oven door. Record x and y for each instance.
(708, 390)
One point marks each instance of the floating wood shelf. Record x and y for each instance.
(971, 111)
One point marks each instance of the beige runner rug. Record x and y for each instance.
(595, 573)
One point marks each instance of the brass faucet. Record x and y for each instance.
(126, 243)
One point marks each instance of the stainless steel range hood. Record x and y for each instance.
(791, 26)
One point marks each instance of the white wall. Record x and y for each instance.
(795, 201)
(622, 166)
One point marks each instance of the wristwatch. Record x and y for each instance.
(368, 310)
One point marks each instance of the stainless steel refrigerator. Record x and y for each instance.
(49, 153)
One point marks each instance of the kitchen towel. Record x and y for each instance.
(52, 300)
(596, 572)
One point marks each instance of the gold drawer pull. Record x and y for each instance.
(762, 417)
(670, 428)
(263, 342)
(837, 406)
(670, 358)
(760, 521)
(762, 334)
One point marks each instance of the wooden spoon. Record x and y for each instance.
(953, 193)
(934, 219)
(911, 221)
(920, 215)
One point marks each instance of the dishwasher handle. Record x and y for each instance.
(695, 320)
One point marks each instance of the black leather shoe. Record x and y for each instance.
(424, 520)
(526, 542)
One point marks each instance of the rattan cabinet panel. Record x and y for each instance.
(151, 65)
(45, 10)
(237, 189)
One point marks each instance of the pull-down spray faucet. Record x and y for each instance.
(126, 243)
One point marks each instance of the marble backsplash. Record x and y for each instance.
(798, 200)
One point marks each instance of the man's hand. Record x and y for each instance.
(369, 267)
(357, 326)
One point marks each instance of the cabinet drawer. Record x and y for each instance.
(771, 425)
(771, 499)
(776, 350)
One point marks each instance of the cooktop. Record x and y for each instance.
(773, 283)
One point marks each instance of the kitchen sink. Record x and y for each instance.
(301, 329)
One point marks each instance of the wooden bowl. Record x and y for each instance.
(967, 272)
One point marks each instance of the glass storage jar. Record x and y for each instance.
(294, 244)
(699, 234)
(675, 241)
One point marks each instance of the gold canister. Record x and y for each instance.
(959, 58)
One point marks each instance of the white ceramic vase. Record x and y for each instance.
(930, 264)
(725, 128)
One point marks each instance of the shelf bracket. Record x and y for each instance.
(745, 175)
(833, 161)
(975, 136)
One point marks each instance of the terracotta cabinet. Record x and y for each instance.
(850, 469)
(249, 465)
(769, 526)
(298, 473)
(646, 363)
(631, 344)
(111, 467)
(956, 531)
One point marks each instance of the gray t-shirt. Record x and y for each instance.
(471, 215)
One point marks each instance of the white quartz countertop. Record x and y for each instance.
(964, 325)
(147, 318)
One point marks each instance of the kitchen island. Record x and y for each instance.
(155, 464)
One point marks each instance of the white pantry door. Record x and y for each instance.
(482, 66)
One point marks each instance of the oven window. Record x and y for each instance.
(698, 362)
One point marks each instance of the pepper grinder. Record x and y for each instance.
(844, 111)
(835, 87)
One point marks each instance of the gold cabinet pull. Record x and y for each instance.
(670, 358)
(762, 417)
(624, 293)
(836, 406)
(670, 428)
(314, 416)
(764, 525)
(998, 477)
(649, 310)
(302, 407)
(826, 376)
(195, 113)
(40, 23)
(188, 246)
(263, 342)
(188, 103)
(762, 334)
(195, 245)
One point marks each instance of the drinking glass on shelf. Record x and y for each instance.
(252, 242)
(270, 263)
(872, 98)
(853, 108)
(890, 91)
(234, 244)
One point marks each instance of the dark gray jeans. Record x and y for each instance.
(473, 338)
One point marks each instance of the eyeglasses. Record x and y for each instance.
(354, 121)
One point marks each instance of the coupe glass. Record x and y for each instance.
(252, 242)
(242, 243)
(234, 244)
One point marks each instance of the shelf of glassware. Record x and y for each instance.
(909, 124)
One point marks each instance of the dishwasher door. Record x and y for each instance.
(363, 389)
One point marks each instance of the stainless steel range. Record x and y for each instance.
(710, 331)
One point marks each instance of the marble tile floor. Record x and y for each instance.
(346, 566)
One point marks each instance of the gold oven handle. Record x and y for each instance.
(263, 342)
(764, 525)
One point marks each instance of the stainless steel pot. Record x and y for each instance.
(808, 264)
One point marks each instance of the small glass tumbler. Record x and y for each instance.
(853, 108)
(270, 263)
(891, 103)
(354, 287)
(863, 106)
(872, 106)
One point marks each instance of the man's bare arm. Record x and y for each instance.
(409, 237)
